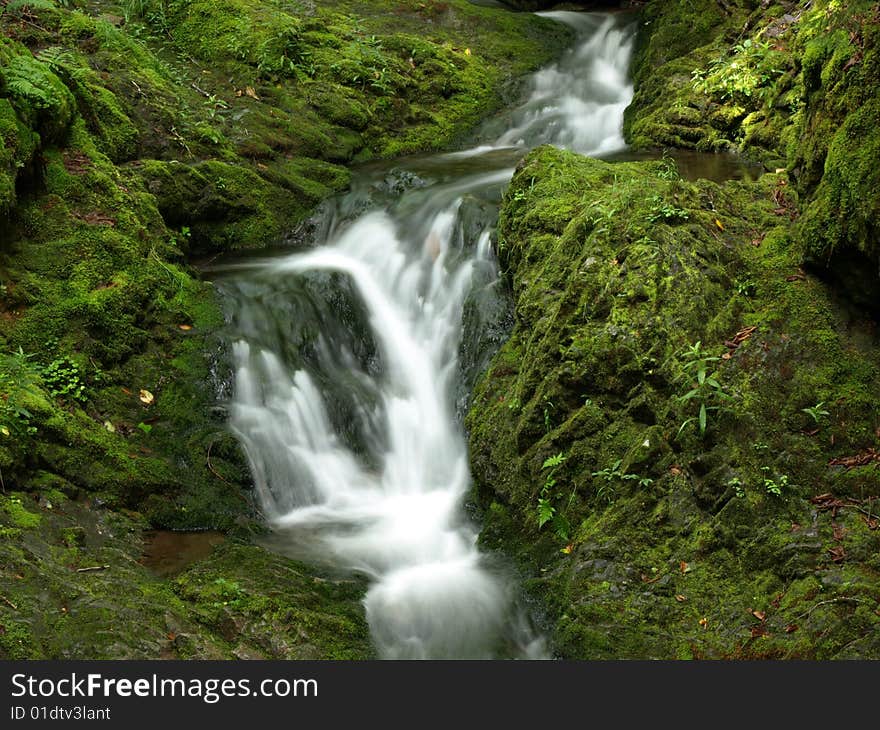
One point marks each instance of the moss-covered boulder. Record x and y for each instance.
(75, 588)
(794, 85)
(679, 437)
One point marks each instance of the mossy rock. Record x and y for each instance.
(649, 535)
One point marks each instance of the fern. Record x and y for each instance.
(28, 79)
(62, 63)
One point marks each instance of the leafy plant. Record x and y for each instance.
(63, 379)
(547, 511)
(666, 212)
(614, 474)
(669, 167)
(774, 486)
(548, 411)
(746, 287)
(18, 377)
(738, 487)
(742, 76)
(706, 389)
(816, 413)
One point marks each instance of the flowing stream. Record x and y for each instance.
(351, 372)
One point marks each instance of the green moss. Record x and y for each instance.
(797, 91)
(677, 537)
(16, 514)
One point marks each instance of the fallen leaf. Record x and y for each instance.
(838, 532)
(146, 397)
(684, 567)
(4, 430)
(171, 636)
(675, 470)
(249, 90)
(680, 598)
(838, 554)
(110, 427)
(758, 631)
(704, 622)
(126, 391)
(791, 628)
(567, 549)
(185, 327)
(779, 170)
(719, 224)
(760, 615)
(467, 51)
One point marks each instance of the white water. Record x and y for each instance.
(391, 507)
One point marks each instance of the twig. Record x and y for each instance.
(843, 599)
(2, 483)
(211, 466)
(200, 90)
(92, 569)
(8, 602)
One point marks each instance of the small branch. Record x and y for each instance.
(92, 569)
(844, 599)
(211, 466)
(200, 90)
(8, 602)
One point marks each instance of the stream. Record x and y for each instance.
(354, 355)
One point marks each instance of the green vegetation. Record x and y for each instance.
(706, 392)
(793, 85)
(632, 327)
(135, 138)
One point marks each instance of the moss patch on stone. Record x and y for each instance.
(790, 84)
(668, 539)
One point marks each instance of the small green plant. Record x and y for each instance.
(706, 389)
(548, 416)
(145, 427)
(612, 475)
(63, 379)
(746, 288)
(669, 167)
(774, 486)
(18, 377)
(514, 404)
(738, 487)
(747, 74)
(547, 510)
(665, 212)
(228, 592)
(816, 413)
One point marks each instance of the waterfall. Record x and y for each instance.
(347, 357)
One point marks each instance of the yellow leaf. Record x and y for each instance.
(146, 397)
(110, 427)
(185, 327)
(718, 223)
(249, 90)
(4, 430)
(467, 51)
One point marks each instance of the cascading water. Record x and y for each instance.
(347, 361)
